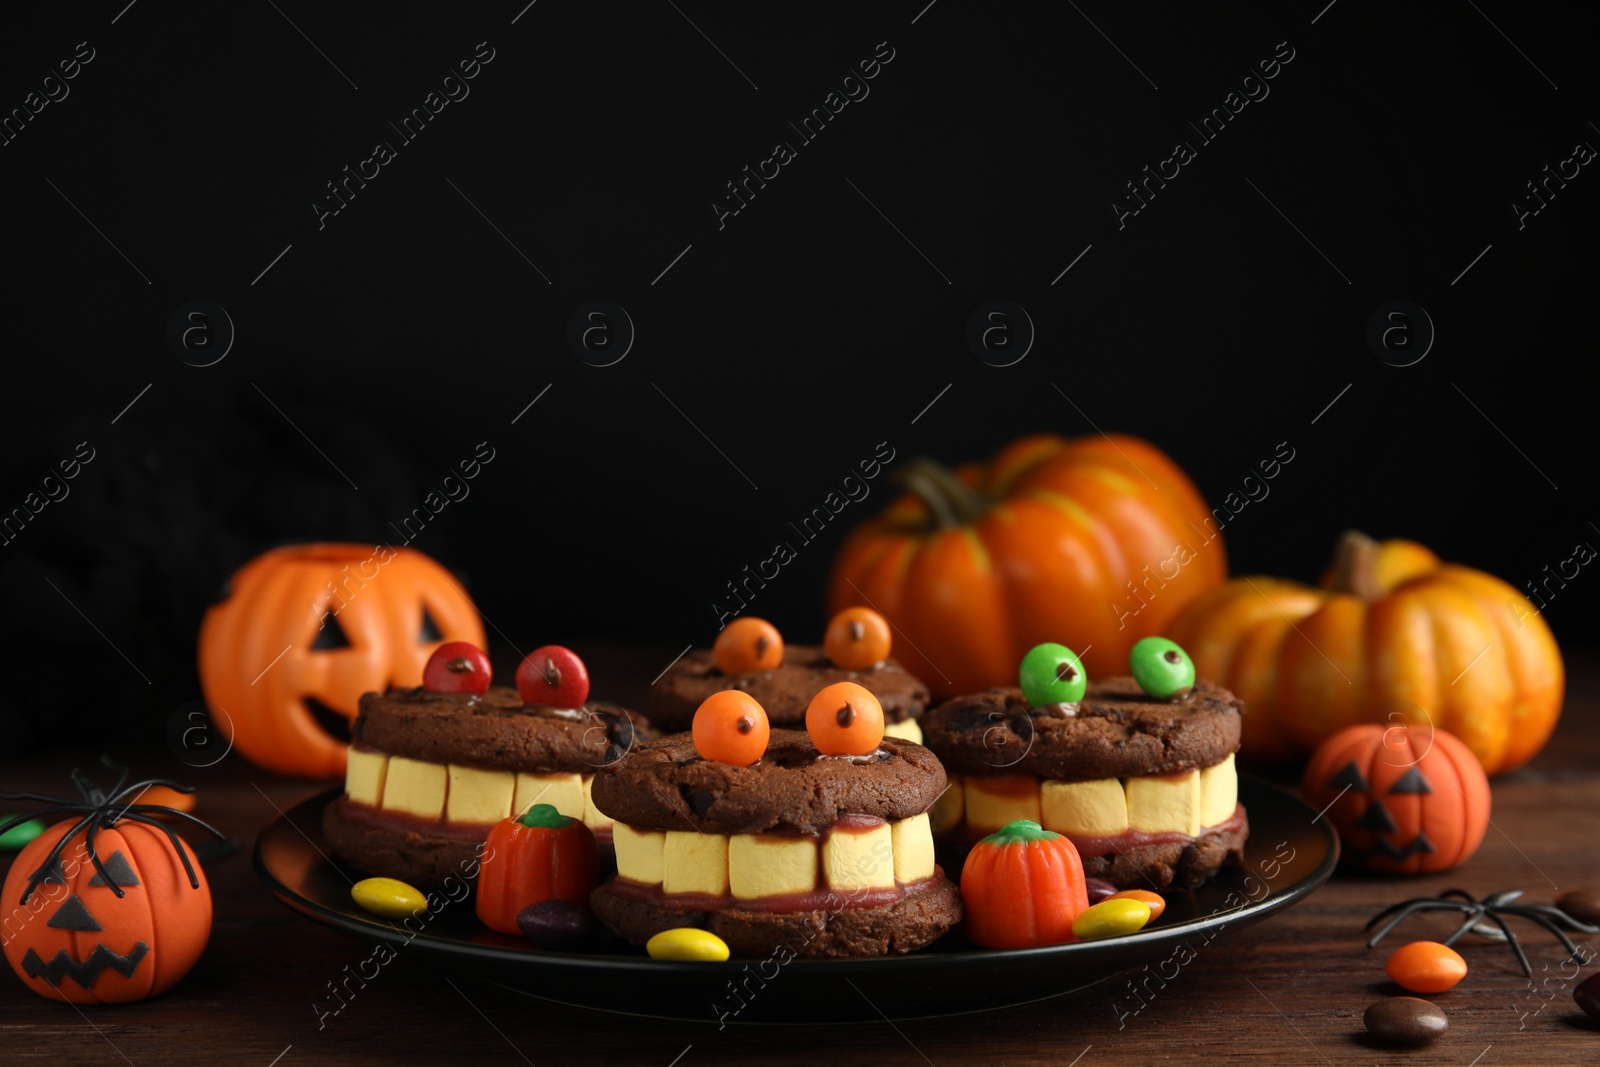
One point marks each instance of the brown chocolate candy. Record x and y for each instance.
(1405, 1020)
(1581, 904)
(1587, 996)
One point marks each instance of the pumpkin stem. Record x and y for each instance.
(951, 501)
(1355, 566)
(1019, 832)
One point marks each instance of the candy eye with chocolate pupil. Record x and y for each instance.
(845, 719)
(857, 639)
(747, 644)
(730, 726)
(1162, 668)
(1052, 674)
(460, 665)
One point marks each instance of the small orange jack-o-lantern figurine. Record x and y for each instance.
(109, 905)
(303, 631)
(1405, 799)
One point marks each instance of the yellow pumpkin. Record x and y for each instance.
(1393, 635)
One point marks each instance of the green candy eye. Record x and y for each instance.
(1052, 674)
(1161, 668)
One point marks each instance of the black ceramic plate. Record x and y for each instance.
(1288, 856)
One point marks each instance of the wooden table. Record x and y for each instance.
(1290, 991)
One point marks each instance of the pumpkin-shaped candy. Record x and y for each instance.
(1022, 886)
(1405, 799)
(108, 906)
(536, 856)
(303, 631)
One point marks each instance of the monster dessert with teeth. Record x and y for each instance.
(1137, 771)
(432, 769)
(749, 655)
(810, 843)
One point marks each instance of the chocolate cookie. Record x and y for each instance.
(1115, 730)
(429, 774)
(664, 785)
(783, 693)
(1146, 789)
(817, 855)
(915, 921)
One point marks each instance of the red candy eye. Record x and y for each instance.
(553, 676)
(457, 667)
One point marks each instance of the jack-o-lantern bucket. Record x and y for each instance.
(301, 632)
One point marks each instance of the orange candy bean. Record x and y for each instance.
(1156, 902)
(1426, 967)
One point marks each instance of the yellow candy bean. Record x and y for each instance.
(1111, 918)
(686, 943)
(389, 897)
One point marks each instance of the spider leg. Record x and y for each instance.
(1516, 946)
(39, 798)
(1501, 901)
(55, 854)
(177, 844)
(1473, 919)
(1555, 915)
(1406, 910)
(148, 809)
(18, 820)
(1561, 935)
(139, 787)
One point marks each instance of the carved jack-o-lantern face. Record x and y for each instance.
(1404, 799)
(303, 631)
(75, 939)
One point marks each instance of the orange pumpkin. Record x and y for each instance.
(127, 927)
(1394, 636)
(1094, 543)
(303, 631)
(1022, 886)
(1405, 799)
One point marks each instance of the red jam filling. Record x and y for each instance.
(815, 900)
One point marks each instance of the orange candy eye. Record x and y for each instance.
(857, 638)
(731, 727)
(747, 645)
(845, 719)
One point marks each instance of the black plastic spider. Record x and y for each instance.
(1492, 908)
(104, 810)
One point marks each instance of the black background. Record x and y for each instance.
(798, 336)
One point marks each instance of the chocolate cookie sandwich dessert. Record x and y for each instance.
(1138, 772)
(810, 842)
(749, 655)
(433, 768)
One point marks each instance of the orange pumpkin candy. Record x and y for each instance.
(1021, 887)
(1394, 635)
(74, 934)
(1405, 799)
(304, 630)
(1092, 542)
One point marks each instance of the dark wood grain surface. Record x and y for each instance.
(1290, 991)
